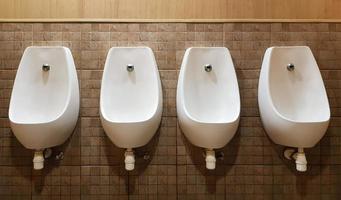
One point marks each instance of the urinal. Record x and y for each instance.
(292, 100)
(130, 99)
(44, 104)
(208, 102)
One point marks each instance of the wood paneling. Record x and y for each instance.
(170, 10)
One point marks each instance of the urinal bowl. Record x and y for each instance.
(46, 134)
(131, 98)
(44, 103)
(207, 135)
(131, 135)
(208, 103)
(292, 99)
(292, 134)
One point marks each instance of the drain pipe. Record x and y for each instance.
(298, 156)
(38, 160)
(210, 159)
(129, 159)
(301, 161)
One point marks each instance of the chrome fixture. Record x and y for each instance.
(60, 156)
(290, 67)
(208, 67)
(130, 67)
(46, 67)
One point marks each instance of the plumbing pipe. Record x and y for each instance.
(301, 161)
(129, 159)
(38, 160)
(210, 159)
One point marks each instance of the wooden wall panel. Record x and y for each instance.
(170, 10)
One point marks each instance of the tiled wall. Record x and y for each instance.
(92, 166)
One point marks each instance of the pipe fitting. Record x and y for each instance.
(298, 156)
(300, 160)
(210, 159)
(129, 160)
(38, 160)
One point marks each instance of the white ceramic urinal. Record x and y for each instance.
(44, 103)
(131, 98)
(208, 103)
(292, 100)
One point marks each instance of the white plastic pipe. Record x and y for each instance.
(301, 161)
(129, 160)
(210, 159)
(38, 160)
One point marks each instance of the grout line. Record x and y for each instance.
(26, 166)
(176, 159)
(128, 192)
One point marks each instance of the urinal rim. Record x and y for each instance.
(159, 97)
(68, 99)
(180, 91)
(267, 88)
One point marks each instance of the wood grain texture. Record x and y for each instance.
(170, 10)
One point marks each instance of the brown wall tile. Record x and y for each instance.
(169, 167)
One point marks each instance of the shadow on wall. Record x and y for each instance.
(223, 165)
(55, 161)
(303, 180)
(143, 157)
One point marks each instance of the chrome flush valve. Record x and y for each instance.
(46, 67)
(290, 67)
(130, 67)
(208, 67)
